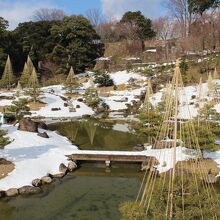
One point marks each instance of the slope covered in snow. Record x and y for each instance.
(33, 156)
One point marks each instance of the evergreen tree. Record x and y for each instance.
(71, 81)
(30, 64)
(25, 76)
(104, 79)
(20, 108)
(34, 91)
(138, 21)
(8, 78)
(92, 98)
(215, 75)
(211, 86)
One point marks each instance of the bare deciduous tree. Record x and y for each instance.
(95, 16)
(179, 10)
(164, 28)
(47, 14)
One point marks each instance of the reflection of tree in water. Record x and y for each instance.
(91, 128)
(71, 131)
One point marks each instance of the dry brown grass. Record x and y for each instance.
(72, 95)
(35, 106)
(3, 108)
(5, 168)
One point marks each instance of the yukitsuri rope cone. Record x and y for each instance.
(184, 192)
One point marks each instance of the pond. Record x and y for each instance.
(87, 194)
(99, 135)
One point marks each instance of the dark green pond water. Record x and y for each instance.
(98, 135)
(87, 194)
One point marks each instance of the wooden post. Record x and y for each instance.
(108, 163)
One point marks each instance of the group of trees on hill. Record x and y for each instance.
(71, 41)
(55, 42)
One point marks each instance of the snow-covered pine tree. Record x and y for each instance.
(8, 78)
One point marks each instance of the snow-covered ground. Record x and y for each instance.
(122, 77)
(33, 156)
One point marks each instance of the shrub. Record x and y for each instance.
(103, 79)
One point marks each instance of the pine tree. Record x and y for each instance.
(25, 76)
(8, 78)
(30, 64)
(34, 85)
(27, 71)
(92, 97)
(211, 86)
(215, 75)
(71, 81)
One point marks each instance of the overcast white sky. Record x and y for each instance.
(16, 11)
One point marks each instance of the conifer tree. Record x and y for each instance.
(34, 85)
(71, 81)
(92, 97)
(30, 64)
(215, 75)
(25, 76)
(8, 78)
(210, 85)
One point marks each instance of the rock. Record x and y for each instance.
(65, 104)
(58, 175)
(139, 147)
(80, 99)
(64, 98)
(72, 109)
(28, 190)
(86, 116)
(2, 194)
(42, 125)
(11, 192)
(37, 182)
(77, 106)
(43, 135)
(55, 109)
(72, 166)
(46, 180)
(63, 168)
(26, 124)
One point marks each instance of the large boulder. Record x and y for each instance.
(29, 190)
(42, 125)
(57, 175)
(72, 166)
(63, 168)
(11, 192)
(43, 135)
(46, 180)
(37, 182)
(26, 124)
